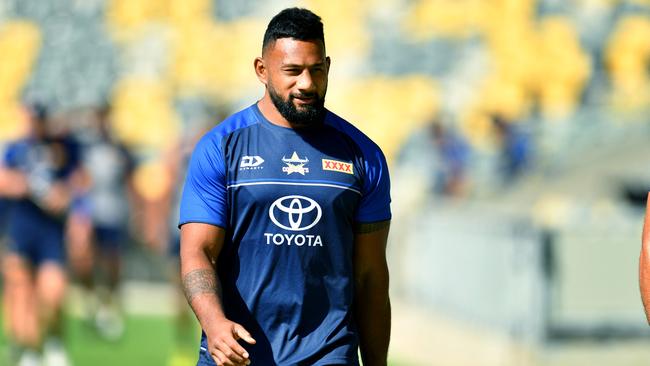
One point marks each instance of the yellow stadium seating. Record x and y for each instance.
(143, 116)
(386, 109)
(563, 67)
(19, 45)
(20, 42)
(348, 18)
(217, 58)
(13, 121)
(125, 17)
(184, 12)
(456, 18)
(627, 57)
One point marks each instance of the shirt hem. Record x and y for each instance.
(199, 221)
(337, 360)
(369, 220)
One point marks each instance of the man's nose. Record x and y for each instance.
(306, 82)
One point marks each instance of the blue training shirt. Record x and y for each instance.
(288, 200)
(44, 162)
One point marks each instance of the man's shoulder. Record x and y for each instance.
(365, 143)
(211, 142)
(242, 119)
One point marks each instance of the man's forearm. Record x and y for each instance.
(13, 184)
(644, 263)
(203, 292)
(373, 314)
(644, 281)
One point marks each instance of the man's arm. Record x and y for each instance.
(200, 248)
(13, 183)
(644, 263)
(372, 304)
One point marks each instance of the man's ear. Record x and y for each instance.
(328, 62)
(260, 70)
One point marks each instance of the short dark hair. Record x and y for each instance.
(297, 23)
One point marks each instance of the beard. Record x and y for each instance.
(308, 115)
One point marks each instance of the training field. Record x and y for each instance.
(148, 340)
(419, 339)
(151, 337)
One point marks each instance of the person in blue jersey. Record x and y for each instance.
(36, 173)
(284, 220)
(99, 221)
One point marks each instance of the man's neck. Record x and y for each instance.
(271, 113)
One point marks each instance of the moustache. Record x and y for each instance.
(305, 96)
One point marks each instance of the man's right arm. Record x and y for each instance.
(644, 262)
(200, 248)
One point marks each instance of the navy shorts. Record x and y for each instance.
(37, 240)
(110, 238)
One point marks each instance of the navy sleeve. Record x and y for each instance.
(375, 202)
(204, 193)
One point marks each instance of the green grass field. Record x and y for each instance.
(148, 341)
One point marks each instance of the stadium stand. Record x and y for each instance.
(569, 79)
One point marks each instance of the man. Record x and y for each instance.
(284, 219)
(644, 262)
(36, 173)
(99, 224)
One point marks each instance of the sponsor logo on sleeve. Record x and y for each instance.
(338, 166)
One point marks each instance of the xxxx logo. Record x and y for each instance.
(338, 166)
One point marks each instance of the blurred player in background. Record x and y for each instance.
(5, 205)
(644, 262)
(37, 173)
(515, 146)
(453, 159)
(178, 161)
(99, 224)
(284, 220)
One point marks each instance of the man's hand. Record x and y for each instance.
(200, 247)
(57, 200)
(223, 345)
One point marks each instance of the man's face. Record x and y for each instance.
(297, 79)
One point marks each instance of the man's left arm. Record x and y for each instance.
(644, 263)
(372, 303)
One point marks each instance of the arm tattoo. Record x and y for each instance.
(200, 281)
(366, 228)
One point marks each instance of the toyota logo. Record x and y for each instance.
(296, 213)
